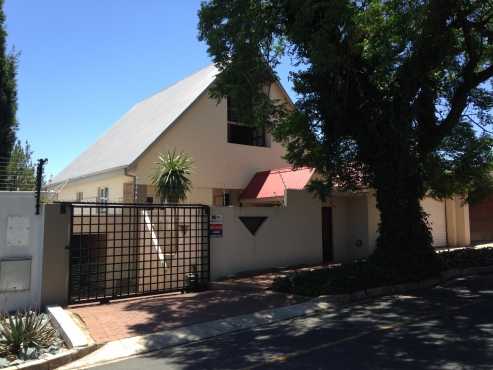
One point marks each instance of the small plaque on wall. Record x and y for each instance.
(18, 230)
(15, 274)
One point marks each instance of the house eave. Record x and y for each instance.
(77, 178)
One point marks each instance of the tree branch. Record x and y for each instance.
(459, 100)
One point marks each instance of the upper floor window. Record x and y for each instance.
(239, 133)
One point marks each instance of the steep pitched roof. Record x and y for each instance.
(273, 183)
(123, 143)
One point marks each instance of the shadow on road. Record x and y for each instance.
(446, 327)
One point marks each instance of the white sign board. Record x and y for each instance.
(18, 230)
(216, 226)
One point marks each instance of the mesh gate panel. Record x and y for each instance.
(119, 251)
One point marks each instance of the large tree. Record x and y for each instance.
(8, 95)
(389, 96)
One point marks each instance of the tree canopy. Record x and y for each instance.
(8, 93)
(391, 95)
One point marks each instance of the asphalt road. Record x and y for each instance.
(444, 328)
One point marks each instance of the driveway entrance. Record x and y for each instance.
(138, 316)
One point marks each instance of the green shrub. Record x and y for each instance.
(24, 330)
(468, 257)
(366, 274)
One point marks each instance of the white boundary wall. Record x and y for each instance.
(290, 235)
(21, 238)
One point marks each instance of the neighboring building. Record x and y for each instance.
(234, 165)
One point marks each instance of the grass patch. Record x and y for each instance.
(362, 274)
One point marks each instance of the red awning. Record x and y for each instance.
(273, 183)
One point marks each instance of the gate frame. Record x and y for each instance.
(205, 246)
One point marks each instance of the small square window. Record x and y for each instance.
(239, 133)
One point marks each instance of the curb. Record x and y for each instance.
(78, 341)
(403, 288)
(119, 349)
(56, 360)
(72, 333)
(123, 348)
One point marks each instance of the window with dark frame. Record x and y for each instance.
(103, 195)
(239, 133)
(226, 199)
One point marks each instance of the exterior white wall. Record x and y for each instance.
(458, 223)
(202, 132)
(351, 233)
(435, 209)
(22, 204)
(291, 235)
(89, 187)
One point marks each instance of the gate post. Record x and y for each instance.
(55, 255)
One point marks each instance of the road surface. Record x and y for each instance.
(442, 328)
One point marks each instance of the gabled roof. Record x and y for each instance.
(123, 143)
(272, 184)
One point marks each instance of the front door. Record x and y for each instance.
(327, 245)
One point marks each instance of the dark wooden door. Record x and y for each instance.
(327, 243)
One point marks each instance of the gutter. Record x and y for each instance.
(70, 179)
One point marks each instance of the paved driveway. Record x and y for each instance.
(444, 328)
(139, 316)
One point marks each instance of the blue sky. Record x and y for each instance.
(83, 64)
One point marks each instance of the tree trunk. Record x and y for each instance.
(404, 245)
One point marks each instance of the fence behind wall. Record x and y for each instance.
(23, 176)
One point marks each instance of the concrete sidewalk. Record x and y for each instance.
(132, 346)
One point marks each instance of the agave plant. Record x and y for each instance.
(171, 176)
(23, 330)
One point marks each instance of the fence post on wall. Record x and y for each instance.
(39, 180)
(208, 215)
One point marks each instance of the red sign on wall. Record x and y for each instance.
(216, 226)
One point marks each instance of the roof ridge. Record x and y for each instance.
(140, 126)
(193, 74)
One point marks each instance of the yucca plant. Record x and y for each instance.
(22, 330)
(171, 176)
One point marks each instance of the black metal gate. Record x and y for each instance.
(125, 250)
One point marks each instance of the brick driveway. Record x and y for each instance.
(125, 318)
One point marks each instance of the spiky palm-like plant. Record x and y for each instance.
(171, 176)
(23, 330)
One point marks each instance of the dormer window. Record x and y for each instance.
(240, 133)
